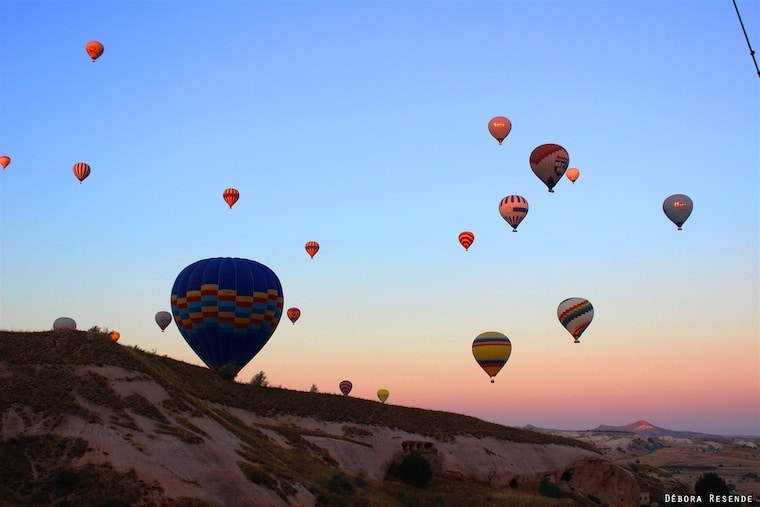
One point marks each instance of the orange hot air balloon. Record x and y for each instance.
(114, 336)
(293, 314)
(573, 173)
(466, 238)
(5, 160)
(81, 171)
(499, 127)
(312, 247)
(231, 196)
(94, 49)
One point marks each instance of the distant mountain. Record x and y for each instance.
(640, 426)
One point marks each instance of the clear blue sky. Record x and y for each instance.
(363, 125)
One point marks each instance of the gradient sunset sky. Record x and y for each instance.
(363, 125)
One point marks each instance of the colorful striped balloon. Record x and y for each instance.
(549, 162)
(345, 387)
(81, 171)
(513, 209)
(312, 247)
(491, 350)
(466, 238)
(575, 314)
(231, 196)
(227, 309)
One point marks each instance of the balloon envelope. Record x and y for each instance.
(81, 171)
(575, 314)
(499, 127)
(227, 309)
(549, 162)
(346, 386)
(114, 336)
(382, 395)
(231, 196)
(312, 247)
(94, 49)
(5, 160)
(491, 350)
(293, 314)
(513, 209)
(163, 319)
(573, 173)
(62, 323)
(466, 238)
(677, 208)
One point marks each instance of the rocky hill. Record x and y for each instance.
(86, 421)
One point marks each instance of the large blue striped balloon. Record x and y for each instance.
(227, 309)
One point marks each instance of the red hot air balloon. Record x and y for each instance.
(573, 173)
(5, 160)
(549, 162)
(312, 247)
(293, 314)
(231, 196)
(466, 238)
(81, 171)
(499, 127)
(94, 49)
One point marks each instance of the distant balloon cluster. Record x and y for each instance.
(549, 162)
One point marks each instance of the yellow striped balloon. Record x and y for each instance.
(491, 350)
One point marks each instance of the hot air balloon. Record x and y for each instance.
(575, 314)
(114, 336)
(62, 323)
(231, 195)
(81, 171)
(346, 386)
(491, 350)
(677, 208)
(5, 160)
(573, 173)
(466, 238)
(94, 49)
(499, 127)
(382, 395)
(227, 309)
(513, 209)
(293, 314)
(549, 162)
(163, 319)
(312, 247)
